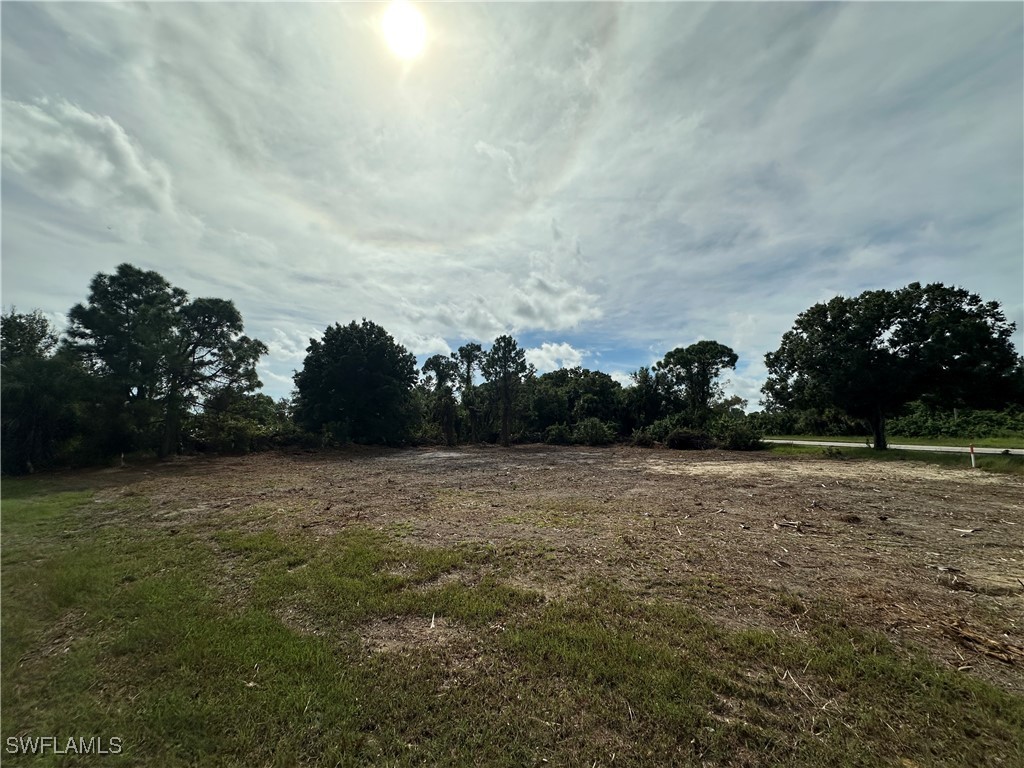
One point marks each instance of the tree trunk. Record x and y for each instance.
(878, 427)
(506, 417)
(172, 428)
(506, 424)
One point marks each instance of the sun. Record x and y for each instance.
(404, 29)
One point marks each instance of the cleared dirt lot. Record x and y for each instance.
(928, 555)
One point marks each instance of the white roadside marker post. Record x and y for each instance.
(973, 466)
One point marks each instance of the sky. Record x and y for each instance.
(605, 182)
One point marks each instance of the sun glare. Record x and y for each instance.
(404, 29)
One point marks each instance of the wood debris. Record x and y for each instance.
(997, 649)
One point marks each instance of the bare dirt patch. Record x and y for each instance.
(399, 635)
(906, 549)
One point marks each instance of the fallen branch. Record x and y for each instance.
(1005, 652)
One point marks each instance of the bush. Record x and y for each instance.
(922, 421)
(660, 429)
(593, 431)
(681, 439)
(557, 434)
(737, 433)
(740, 437)
(642, 438)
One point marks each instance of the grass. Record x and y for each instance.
(1013, 465)
(231, 646)
(1016, 441)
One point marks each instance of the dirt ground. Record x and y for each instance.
(927, 555)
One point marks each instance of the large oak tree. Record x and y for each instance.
(872, 354)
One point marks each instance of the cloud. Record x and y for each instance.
(622, 177)
(551, 357)
(622, 377)
(424, 346)
(71, 155)
(277, 383)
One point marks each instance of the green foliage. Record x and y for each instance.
(807, 421)
(649, 397)
(682, 439)
(504, 366)
(571, 395)
(735, 433)
(232, 422)
(558, 434)
(469, 419)
(356, 384)
(38, 415)
(25, 336)
(593, 431)
(443, 372)
(161, 353)
(641, 438)
(693, 373)
(920, 420)
(54, 412)
(660, 429)
(872, 354)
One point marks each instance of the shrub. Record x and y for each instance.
(593, 431)
(557, 434)
(642, 438)
(681, 439)
(660, 429)
(736, 433)
(740, 437)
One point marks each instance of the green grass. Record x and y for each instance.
(248, 647)
(956, 442)
(1013, 465)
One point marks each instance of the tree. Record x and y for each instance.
(25, 335)
(571, 395)
(693, 372)
(872, 354)
(208, 354)
(356, 384)
(505, 366)
(647, 399)
(468, 358)
(445, 371)
(240, 422)
(38, 392)
(160, 352)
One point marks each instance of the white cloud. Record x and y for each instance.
(289, 346)
(622, 377)
(422, 345)
(630, 176)
(551, 357)
(69, 154)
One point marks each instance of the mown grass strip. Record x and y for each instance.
(1013, 465)
(1013, 441)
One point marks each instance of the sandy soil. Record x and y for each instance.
(927, 555)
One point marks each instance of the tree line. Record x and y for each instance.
(142, 367)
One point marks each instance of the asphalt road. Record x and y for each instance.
(938, 448)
